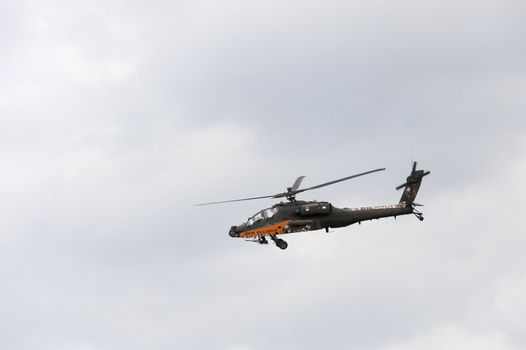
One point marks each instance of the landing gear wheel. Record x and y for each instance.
(281, 244)
(418, 214)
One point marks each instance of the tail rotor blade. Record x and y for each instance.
(401, 186)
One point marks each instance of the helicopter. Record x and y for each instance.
(301, 216)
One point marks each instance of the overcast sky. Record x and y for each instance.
(117, 116)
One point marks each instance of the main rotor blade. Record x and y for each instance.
(232, 200)
(339, 180)
(293, 190)
(297, 183)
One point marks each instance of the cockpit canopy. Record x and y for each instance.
(262, 215)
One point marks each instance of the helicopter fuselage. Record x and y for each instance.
(301, 216)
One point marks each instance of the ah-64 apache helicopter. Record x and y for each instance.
(301, 216)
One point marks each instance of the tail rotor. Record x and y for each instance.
(412, 185)
(415, 177)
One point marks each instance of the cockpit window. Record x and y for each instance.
(270, 212)
(258, 217)
(264, 214)
(255, 219)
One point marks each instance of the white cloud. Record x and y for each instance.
(456, 339)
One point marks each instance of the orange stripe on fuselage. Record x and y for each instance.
(276, 229)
